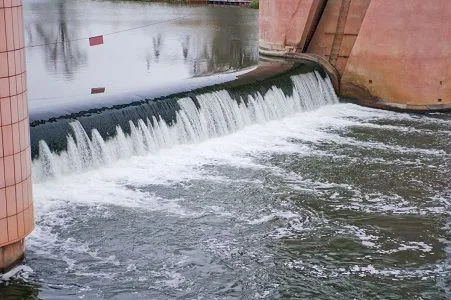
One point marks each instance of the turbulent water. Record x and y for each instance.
(274, 196)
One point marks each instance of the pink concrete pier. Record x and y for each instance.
(16, 204)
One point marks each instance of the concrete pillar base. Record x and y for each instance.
(11, 255)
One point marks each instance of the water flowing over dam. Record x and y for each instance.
(152, 126)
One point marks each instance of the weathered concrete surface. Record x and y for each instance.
(286, 24)
(326, 32)
(11, 254)
(403, 53)
(389, 54)
(323, 37)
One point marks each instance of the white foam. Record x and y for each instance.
(18, 272)
(365, 270)
(272, 216)
(368, 240)
(410, 246)
(171, 279)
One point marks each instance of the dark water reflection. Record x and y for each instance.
(22, 290)
(61, 56)
(180, 42)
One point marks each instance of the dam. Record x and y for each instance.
(385, 54)
(202, 169)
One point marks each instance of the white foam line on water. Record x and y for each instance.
(404, 129)
(335, 138)
(417, 118)
(364, 270)
(342, 196)
(273, 216)
(410, 246)
(367, 239)
(18, 272)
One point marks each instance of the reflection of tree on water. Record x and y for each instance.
(61, 56)
(232, 56)
(19, 290)
(185, 47)
(229, 48)
(157, 46)
(215, 42)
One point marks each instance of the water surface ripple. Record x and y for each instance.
(342, 201)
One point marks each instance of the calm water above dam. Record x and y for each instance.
(167, 44)
(275, 190)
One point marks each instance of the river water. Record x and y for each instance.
(145, 45)
(283, 193)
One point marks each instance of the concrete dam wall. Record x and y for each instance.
(383, 53)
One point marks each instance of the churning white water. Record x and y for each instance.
(217, 115)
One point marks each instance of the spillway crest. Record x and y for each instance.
(92, 139)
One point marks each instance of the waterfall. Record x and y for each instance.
(209, 115)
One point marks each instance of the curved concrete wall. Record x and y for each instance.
(389, 54)
(16, 205)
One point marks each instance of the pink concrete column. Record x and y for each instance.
(286, 24)
(16, 205)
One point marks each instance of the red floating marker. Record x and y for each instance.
(96, 40)
(98, 90)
